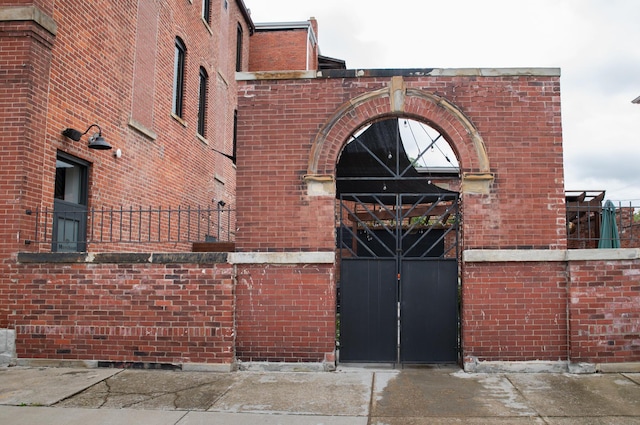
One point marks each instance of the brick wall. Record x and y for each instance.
(280, 119)
(514, 311)
(510, 312)
(169, 311)
(25, 48)
(175, 310)
(87, 74)
(603, 311)
(285, 313)
(280, 50)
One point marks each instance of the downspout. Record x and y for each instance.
(309, 29)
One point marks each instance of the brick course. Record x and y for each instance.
(514, 311)
(282, 50)
(285, 313)
(280, 119)
(603, 311)
(139, 313)
(215, 312)
(86, 73)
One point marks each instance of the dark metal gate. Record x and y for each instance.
(399, 278)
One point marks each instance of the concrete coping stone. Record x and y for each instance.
(322, 257)
(327, 257)
(124, 258)
(547, 255)
(28, 13)
(386, 73)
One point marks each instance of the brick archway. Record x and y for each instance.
(398, 100)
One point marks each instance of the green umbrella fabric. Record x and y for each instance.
(609, 237)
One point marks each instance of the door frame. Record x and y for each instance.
(70, 207)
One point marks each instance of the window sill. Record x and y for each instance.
(142, 129)
(180, 120)
(202, 139)
(223, 78)
(207, 26)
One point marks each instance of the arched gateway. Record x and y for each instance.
(397, 223)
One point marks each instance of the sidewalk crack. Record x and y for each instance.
(371, 398)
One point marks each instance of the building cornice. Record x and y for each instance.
(385, 73)
(28, 13)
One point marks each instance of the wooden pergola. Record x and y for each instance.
(584, 211)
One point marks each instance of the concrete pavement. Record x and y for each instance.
(412, 396)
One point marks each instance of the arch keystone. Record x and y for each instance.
(402, 101)
(398, 92)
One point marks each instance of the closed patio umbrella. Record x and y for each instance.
(609, 237)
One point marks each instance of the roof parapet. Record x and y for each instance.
(413, 72)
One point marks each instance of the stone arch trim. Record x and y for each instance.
(398, 100)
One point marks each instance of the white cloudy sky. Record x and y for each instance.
(596, 43)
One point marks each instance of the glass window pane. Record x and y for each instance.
(69, 178)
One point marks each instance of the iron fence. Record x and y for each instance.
(72, 229)
(584, 223)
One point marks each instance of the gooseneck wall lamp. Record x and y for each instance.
(95, 142)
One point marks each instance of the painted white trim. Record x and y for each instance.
(281, 257)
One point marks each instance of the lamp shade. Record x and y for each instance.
(72, 134)
(98, 142)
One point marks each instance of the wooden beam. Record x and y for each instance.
(438, 210)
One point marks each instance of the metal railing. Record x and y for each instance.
(72, 229)
(584, 221)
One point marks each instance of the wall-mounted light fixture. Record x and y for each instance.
(95, 142)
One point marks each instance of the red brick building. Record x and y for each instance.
(208, 113)
(158, 80)
(290, 45)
